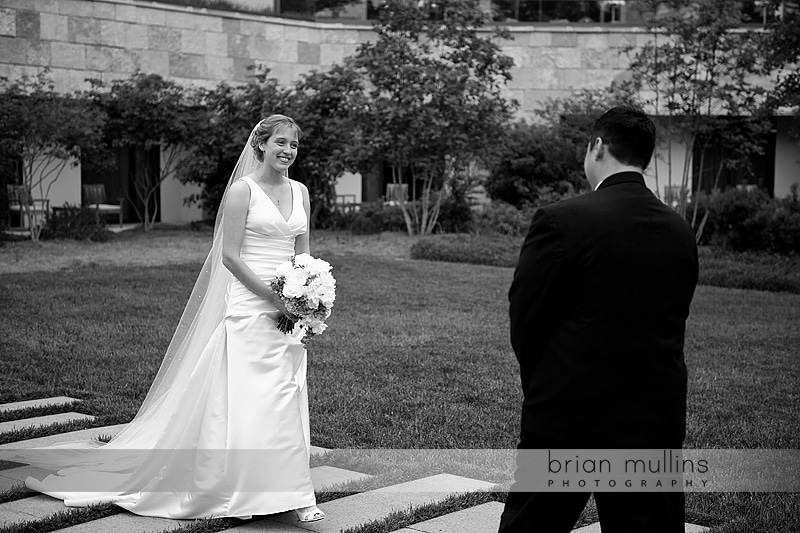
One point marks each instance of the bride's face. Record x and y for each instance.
(280, 149)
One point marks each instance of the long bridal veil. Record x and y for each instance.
(203, 313)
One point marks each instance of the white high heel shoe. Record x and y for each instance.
(311, 515)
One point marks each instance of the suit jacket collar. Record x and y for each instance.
(622, 177)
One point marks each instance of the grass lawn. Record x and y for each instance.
(718, 268)
(417, 356)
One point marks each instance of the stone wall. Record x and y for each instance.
(108, 39)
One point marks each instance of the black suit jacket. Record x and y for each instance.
(598, 308)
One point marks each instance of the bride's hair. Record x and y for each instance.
(267, 128)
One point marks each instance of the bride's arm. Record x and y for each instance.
(302, 244)
(235, 211)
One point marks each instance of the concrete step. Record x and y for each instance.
(37, 421)
(325, 477)
(484, 518)
(40, 506)
(316, 450)
(33, 508)
(595, 528)
(11, 477)
(127, 523)
(7, 451)
(84, 435)
(44, 402)
(365, 507)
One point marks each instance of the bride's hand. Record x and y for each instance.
(279, 305)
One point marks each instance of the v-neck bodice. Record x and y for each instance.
(264, 217)
(268, 241)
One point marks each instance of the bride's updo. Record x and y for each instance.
(267, 128)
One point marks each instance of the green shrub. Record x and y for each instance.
(742, 220)
(505, 219)
(369, 219)
(756, 271)
(718, 267)
(478, 249)
(73, 222)
(455, 215)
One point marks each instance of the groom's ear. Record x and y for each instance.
(599, 148)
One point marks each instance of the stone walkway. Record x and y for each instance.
(342, 513)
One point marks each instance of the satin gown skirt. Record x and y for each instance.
(238, 443)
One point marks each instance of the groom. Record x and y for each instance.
(598, 309)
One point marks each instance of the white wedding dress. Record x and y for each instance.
(234, 440)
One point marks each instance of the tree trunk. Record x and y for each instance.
(699, 185)
(396, 175)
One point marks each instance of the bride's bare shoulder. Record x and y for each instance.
(239, 186)
(238, 194)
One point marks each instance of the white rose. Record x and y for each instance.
(303, 260)
(327, 281)
(297, 276)
(327, 289)
(318, 291)
(284, 269)
(319, 267)
(293, 289)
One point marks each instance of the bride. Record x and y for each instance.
(224, 429)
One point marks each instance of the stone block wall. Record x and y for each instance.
(109, 39)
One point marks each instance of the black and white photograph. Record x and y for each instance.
(399, 266)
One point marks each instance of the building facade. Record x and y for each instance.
(111, 39)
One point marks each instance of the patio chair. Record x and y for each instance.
(31, 210)
(94, 197)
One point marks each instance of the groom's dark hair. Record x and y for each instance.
(628, 134)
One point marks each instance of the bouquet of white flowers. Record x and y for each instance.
(307, 289)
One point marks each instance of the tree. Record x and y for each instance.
(230, 114)
(700, 66)
(435, 101)
(782, 52)
(46, 131)
(545, 157)
(699, 69)
(533, 160)
(154, 116)
(325, 104)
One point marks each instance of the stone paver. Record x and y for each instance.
(44, 402)
(40, 506)
(7, 451)
(126, 523)
(365, 507)
(595, 528)
(42, 421)
(323, 477)
(84, 435)
(316, 450)
(32, 508)
(482, 518)
(17, 476)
